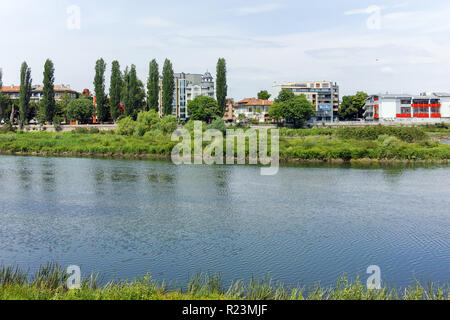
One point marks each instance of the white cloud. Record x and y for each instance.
(268, 7)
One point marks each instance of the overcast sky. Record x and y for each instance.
(374, 46)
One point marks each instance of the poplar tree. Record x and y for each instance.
(99, 87)
(153, 87)
(115, 89)
(221, 84)
(47, 105)
(130, 92)
(168, 87)
(25, 94)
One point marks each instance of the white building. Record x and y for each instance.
(432, 107)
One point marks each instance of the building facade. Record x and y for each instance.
(187, 87)
(324, 95)
(431, 107)
(252, 109)
(37, 92)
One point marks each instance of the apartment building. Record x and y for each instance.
(187, 87)
(199, 85)
(427, 107)
(324, 95)
(253, 109)
(37, 92)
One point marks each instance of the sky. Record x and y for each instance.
(371, 46)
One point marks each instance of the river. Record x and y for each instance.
(308, 224)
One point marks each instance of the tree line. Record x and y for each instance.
(126, 97)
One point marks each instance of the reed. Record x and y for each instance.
(49, 283)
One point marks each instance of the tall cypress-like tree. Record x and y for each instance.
(153, 86)
(1, 81)
(48, 103)
(25, 94)
(99, 87)
(115, 89)
(221, 84)
(168, 87)
(130, 91)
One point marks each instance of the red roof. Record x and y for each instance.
(11, 89)
(255, 102)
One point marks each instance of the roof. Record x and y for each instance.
(254, 102)
(57, 88)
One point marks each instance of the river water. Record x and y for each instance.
(307, 224)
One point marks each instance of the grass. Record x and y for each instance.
(374, 143)
(49, 283)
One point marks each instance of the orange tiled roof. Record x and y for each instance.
(11, 89)
(16, 89)
(254, 102)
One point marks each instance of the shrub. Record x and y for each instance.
(408, 134)
(218, 124)
(167, 125)
(126, 126)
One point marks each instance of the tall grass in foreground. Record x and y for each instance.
(49, 283)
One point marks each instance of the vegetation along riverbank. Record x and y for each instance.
(50, 283)
(148, 137)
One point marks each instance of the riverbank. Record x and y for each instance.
(366, 145)
(50, 283)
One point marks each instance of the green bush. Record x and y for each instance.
(126, 126)
(218, 124)
(408, 134)
(167, 125)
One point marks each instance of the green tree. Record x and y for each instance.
(297, 109)
(99, 87)
(80, 110)
(352, 106)
(221, 85)
(204, 109)
(48, 104)
(25, 94)
(264, 95)
(168, 88)
(285, 95)
(115, 89)
(153, 86)
(133, 92)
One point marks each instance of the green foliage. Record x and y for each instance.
(296, 109)
(153, 86)
(126, 126)
(50, 283)
(133, 93)
(264, 95)
(167, 125)
(48, 104)
(80, 110)
(408, 134)
(285, 95)
(168, 88)
(218, 124)
(203, 109)
(115, 89)
(221, 85)
(99, 87)
(352, 106)
(25, 93)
